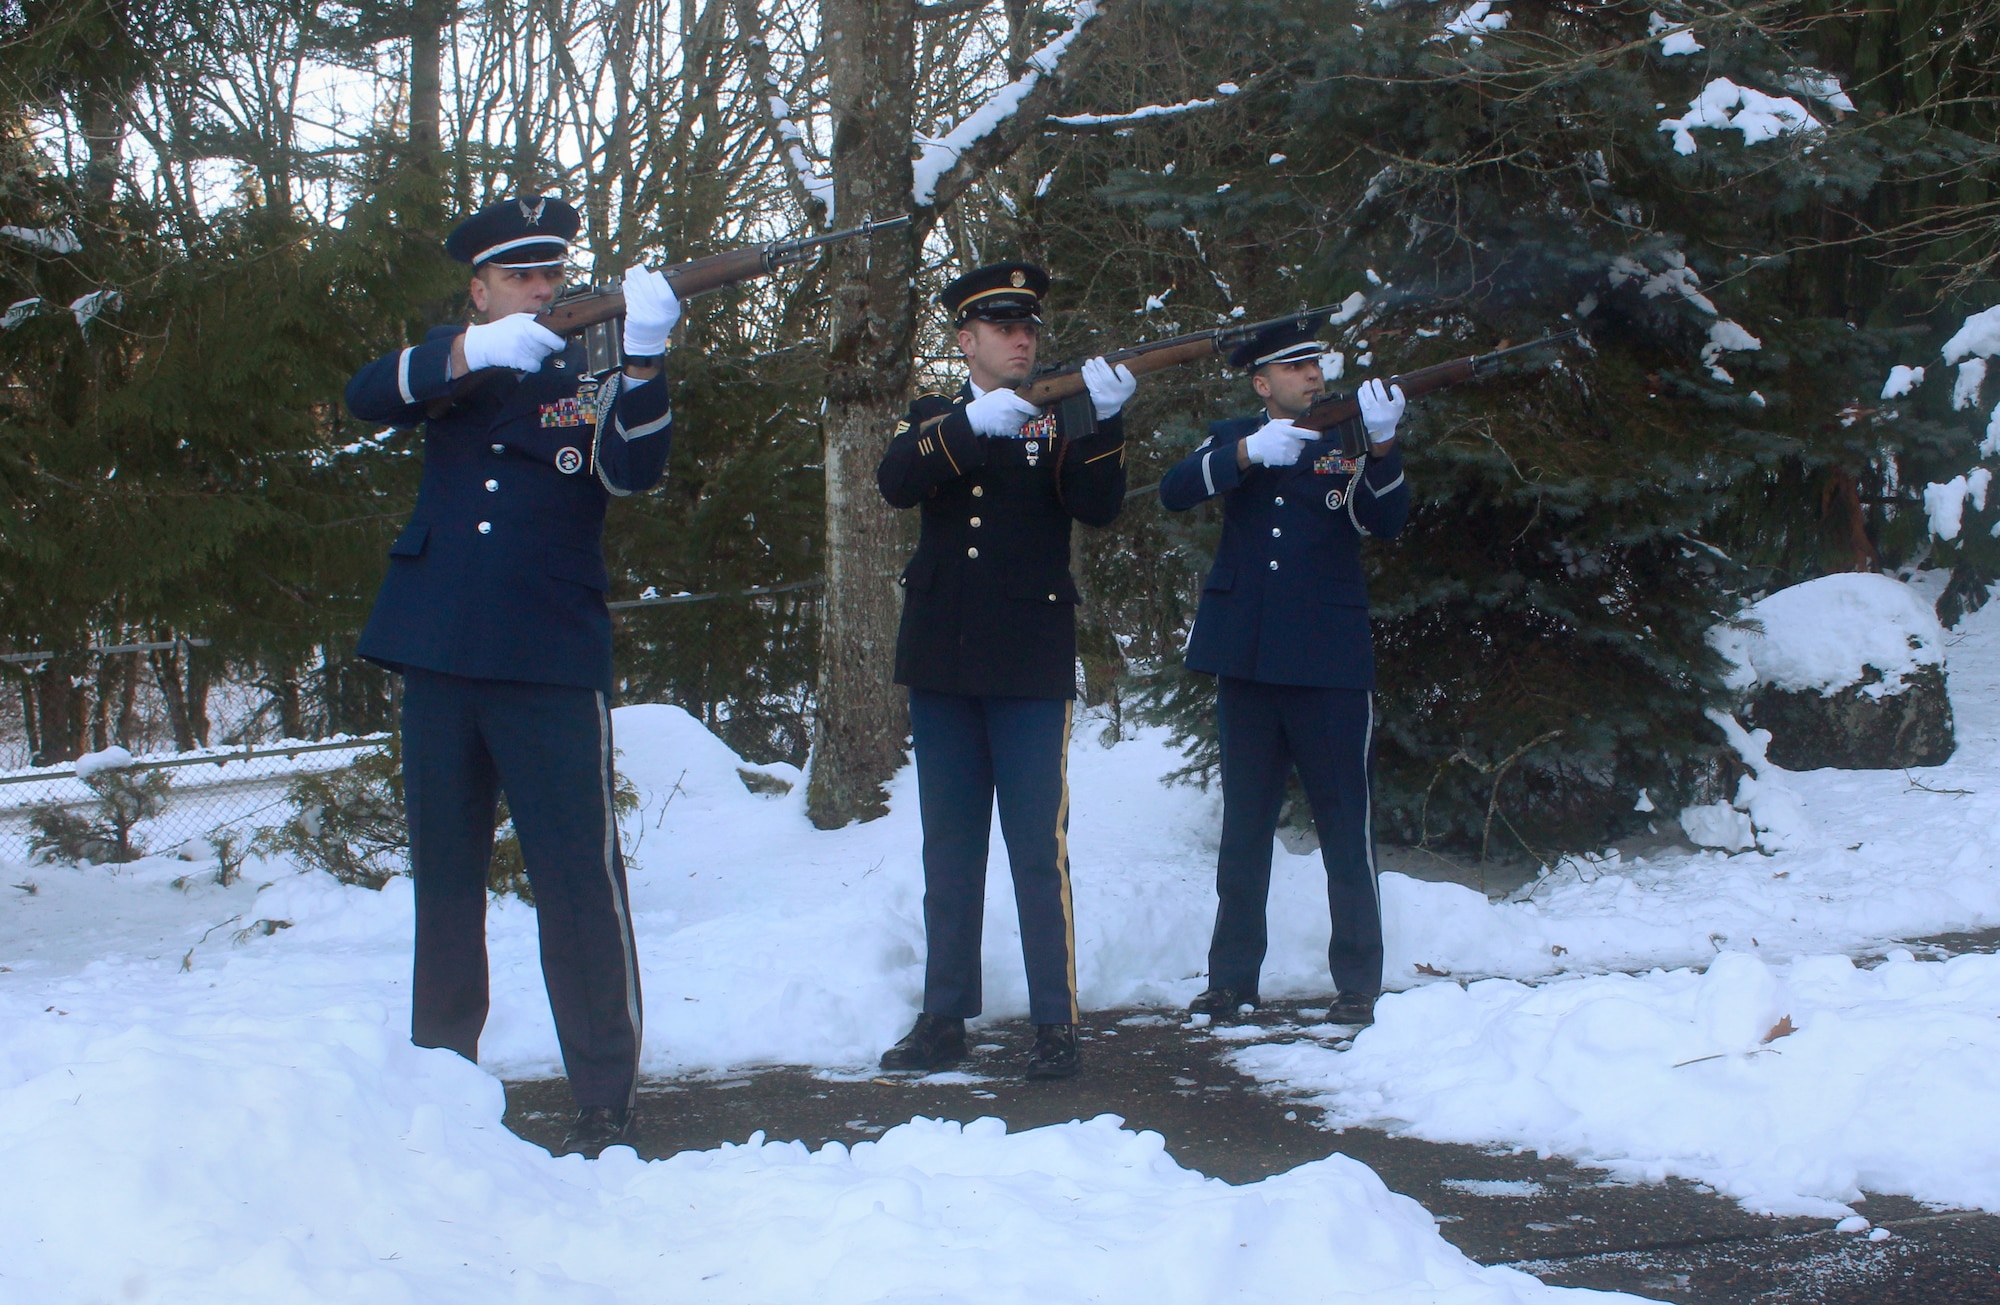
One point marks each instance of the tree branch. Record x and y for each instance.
(990, 134)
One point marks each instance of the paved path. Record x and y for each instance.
(1677, 1241)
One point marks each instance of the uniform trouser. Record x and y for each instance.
(548, 747)
(1328, 734)
(970, 750)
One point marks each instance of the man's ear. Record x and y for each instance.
(965, 338)
(1260, 383)
(477, 288)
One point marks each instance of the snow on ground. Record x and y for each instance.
(271, 1153)
(1878, 1079)
(220, 1073)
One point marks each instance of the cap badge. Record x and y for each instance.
(532, 213)
(1018, 280)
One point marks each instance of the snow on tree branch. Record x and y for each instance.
(812, 188)
(87, 307)
(1725, 105)
(1724, 336)
(1222, 96)
(56, 240)
(939, 157)
(20, 311)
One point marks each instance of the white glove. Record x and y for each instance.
(1276, 443)
(1000, 414)
(1109, 386)
(517, 341)
(1381, 409)
(652, 310)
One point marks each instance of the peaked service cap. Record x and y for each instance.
(1291, 340)
(1000, 292)
(533, 231)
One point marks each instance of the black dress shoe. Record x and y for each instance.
(595, 1129)
(1220, 1001)
(1351, 1008)
(935, 1042)
(1055, 1054)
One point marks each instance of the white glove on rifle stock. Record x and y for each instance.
(517, 341)
(652, 310)
(1000, 414)
(1109, 386)
(1381, 409)
(1276, 443)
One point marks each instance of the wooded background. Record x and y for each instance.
(255, 192)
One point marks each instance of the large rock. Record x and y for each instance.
(1855, 730)
(1845, 671)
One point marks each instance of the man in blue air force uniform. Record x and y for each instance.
(988, 650)
(1283, 625)
(493, 611)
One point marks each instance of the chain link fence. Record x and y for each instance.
(160, 805)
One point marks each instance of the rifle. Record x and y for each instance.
(593, 311)
(1054, 385)
(1341, 409)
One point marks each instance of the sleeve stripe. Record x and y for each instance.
(403, 376)
(1378, 493)
(1208, 477)
(640, 432)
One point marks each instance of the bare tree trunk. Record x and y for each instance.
(863, 718)
(60, 703)
(183, 680)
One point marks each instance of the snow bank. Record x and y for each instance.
(1820, 634)
(256, 1157)
(1792, 1088)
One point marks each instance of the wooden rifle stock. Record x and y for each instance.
(577, 312)
(1052, 387)
(1342, 409)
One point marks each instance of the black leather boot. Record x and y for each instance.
(935, 1042)
(1055, 1054)
(596, 1129)
(1351, 1008)
(1219, 1002)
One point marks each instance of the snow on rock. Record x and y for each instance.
(111, 758)
(1902, 380)
(1821, 634)
(256, 1156)
(1789, 1087)
(1724, 104)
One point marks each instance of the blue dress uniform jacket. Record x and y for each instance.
(989, 605)
(500, 572)
(1286, 601)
